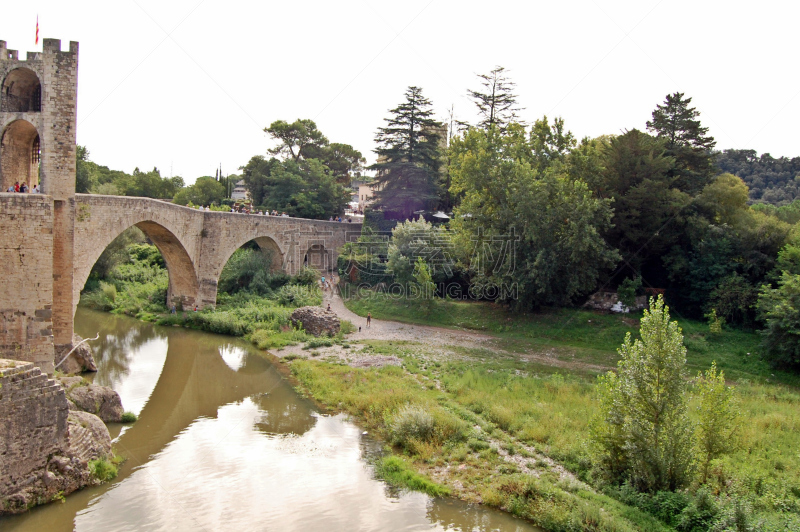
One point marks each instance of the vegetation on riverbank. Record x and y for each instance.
(511, 431)
(130, 278)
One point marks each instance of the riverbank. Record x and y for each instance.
(509, 411)
(494, 407)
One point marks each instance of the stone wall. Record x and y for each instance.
(44, 449)
(26, 256)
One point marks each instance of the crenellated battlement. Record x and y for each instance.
(49, 46)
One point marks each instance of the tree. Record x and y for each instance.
(516, 227)
(408, 157)
(497, 104)
(256, 176)
(148, 184)
(302, 188)
(780, 309)
(647, 207)
(418, 239)
(342, 160)
(643, 433)
(550, 143)
(83, 183)
(205, 191)
(299, 140)
(719, 418)
(686, 140)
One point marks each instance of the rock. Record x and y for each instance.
(46, 449)
(101, 401)
(88, 436)
(80, 360)
(316, 321)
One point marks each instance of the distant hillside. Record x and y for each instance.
(774, 181)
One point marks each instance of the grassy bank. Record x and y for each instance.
(512, 431)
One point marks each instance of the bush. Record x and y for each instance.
(306, 276)
(780, 309)
(293, 295)
(411, 422)
(102, 469)
(628, 290)
(129, 417)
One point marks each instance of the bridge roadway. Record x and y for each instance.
(48, 245)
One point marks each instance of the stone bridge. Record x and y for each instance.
(196, 245)
(50, 241)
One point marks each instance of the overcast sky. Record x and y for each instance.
(187, 85)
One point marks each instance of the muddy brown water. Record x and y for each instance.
(223, 442)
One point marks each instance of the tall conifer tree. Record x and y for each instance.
(408, 157)
(686, 140)
(497, 104)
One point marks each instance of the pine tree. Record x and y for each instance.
(408, 157)
(497, 105)
(686, 140)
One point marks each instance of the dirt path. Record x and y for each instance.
(438, 338)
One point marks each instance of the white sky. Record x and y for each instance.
(190, 84)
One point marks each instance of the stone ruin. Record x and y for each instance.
(45, 445)
(316, 321)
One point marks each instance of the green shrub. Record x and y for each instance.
(129, 417)
(109, 291)
(102, 469)
(318, 342)
(306, 276)
(299, 295)
(477, 445)
(411, 422)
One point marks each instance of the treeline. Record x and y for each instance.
(307, 176)
(772, 181)
(543, 219)
(92, 178)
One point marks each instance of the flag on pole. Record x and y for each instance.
(37, 29)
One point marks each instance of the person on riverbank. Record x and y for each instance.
(369, 318)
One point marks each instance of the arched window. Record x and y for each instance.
(21, 92)
(36, 151)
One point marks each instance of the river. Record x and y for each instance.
(223, 442)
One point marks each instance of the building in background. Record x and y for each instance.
(240, 192)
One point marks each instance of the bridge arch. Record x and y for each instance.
(21, 92)
(317, 256)
(20, 153)
(180, 268)
(266, 238)
(175, 231)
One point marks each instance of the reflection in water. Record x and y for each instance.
(233, 357)
(223, 442)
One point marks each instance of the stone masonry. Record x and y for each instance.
(49, 242)
(38, 109)
(44, 449)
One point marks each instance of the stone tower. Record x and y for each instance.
(38, 106)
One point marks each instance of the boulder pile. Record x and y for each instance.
(316, 321)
